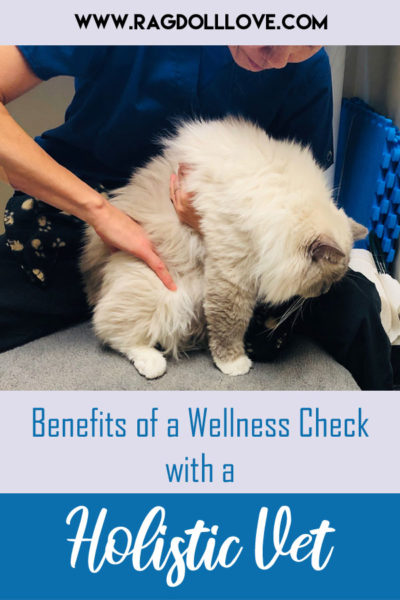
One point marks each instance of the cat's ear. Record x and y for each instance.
(325, 248)
(359, 231)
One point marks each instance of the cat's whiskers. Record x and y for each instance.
(296, 307)
(299, 311)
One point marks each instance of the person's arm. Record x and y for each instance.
(30, 169)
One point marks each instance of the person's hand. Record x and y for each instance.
(120, 232)
(182, 200)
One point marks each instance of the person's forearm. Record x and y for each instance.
(30, 169)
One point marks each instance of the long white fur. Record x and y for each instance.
(262, 202)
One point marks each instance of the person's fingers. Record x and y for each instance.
(183, 169)
(182, 200)
(121, 232)
(155, 263)
(176, 193)
(172, 187)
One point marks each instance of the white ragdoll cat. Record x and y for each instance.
(269, 231)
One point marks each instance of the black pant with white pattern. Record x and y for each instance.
(41, 292)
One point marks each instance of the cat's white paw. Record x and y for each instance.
(239, 366)
(149, 362)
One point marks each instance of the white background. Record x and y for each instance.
(350, 23)
(265, 465)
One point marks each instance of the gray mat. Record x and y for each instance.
(74, 360)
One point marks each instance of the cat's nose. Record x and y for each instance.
(325, 288)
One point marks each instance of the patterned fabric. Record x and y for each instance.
(267, 337)
(345, 322)
(37, 234)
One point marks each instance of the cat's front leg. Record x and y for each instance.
(228, 309)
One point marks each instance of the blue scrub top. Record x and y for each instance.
(126, 96)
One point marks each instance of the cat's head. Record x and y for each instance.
(327, 258)
(312, 256)
(304, 241)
